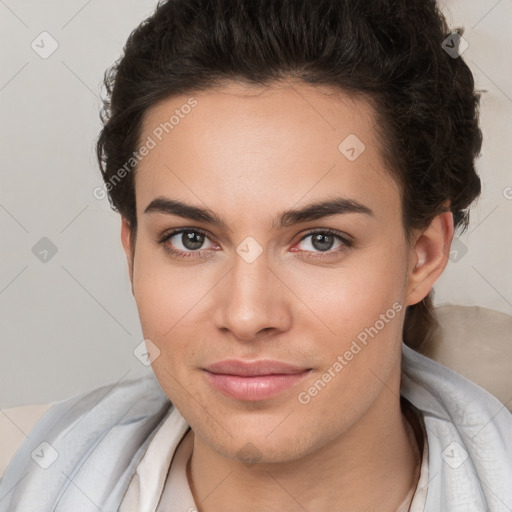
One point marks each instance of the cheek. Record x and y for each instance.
(165, 294)
(172, 304)
(355, 317)
(360, 313)
(343, 301)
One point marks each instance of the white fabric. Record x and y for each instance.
(84, 451)
(148, 481)
(177, 496)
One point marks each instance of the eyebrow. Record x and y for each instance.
(314, 211)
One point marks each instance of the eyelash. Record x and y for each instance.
(346, 243)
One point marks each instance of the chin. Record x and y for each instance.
(259, 442)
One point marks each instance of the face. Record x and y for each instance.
(276, 236)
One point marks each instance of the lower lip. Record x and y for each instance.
(253, 388)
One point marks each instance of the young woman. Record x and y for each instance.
(289, 175)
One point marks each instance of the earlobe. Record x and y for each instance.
(429, 257)
(127, 246)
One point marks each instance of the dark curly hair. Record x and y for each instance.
(387, 51)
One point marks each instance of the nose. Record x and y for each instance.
(252, 301)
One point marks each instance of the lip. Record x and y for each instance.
(254, 368)
(253, 381)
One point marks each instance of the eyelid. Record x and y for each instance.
(345, 237)
(177, 231)
(346, 240)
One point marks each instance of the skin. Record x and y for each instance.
(248, 154)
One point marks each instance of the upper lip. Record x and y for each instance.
(249, 369)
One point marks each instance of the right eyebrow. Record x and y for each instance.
(187, 211)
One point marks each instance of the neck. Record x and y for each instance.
(372, 466)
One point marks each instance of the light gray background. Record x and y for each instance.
(70, 324)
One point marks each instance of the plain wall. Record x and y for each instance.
(70, 324)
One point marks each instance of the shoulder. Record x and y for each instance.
(112, 420)
(15, 424)
(457, 408)
(469, 434)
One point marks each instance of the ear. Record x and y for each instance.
(128, 246)
(429, 257)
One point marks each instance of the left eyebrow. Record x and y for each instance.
(315, 211)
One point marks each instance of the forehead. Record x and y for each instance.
(278, 144)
